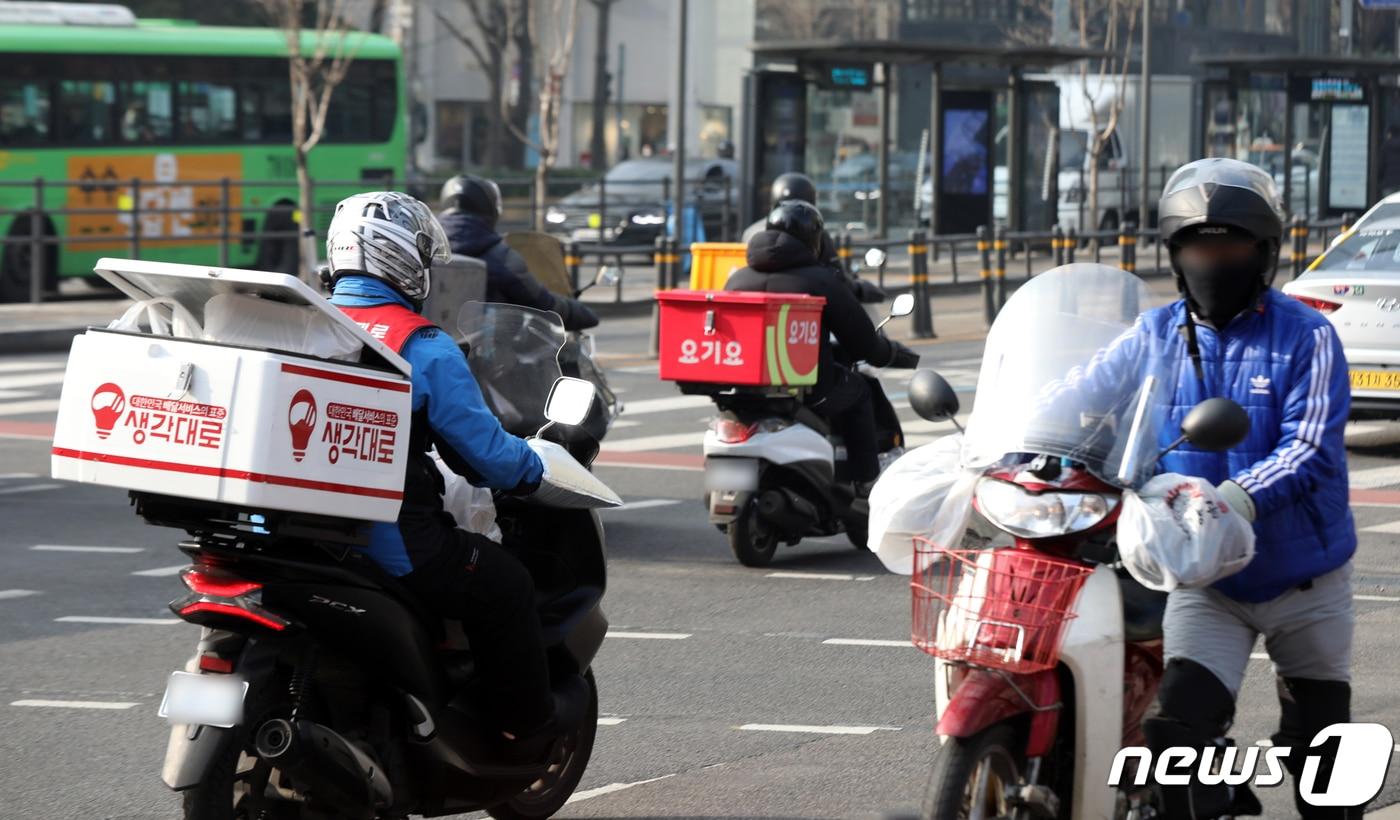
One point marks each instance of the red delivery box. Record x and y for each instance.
(741, 338)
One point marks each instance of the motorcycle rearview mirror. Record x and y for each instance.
(607, 277)
(1214, 425)
(932, 398)
(903, 306)
(875, 257)
(569, 401)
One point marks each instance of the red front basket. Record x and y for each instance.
(1002, 609)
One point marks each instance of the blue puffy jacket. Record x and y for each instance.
(468, 437)
(1284, 364)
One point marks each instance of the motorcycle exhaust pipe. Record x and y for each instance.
(787, 511)
(324, 766)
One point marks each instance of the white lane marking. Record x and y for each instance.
(816, 730)
(640, 369)
(1389, 598)
(611, 721)
(646, 504)
(161, 572)
(75, 704)
(29, 488)
(11, 395)
(685, 468)
(1364, 429)
(65, 548)
(650, 636)
(621, 423)
(866, 642)
(1374, 477)
(1391, 528)
(9, 476)
(643, 406)
(819, 576)
(668, 441)
(21, 408)
(1259, 656)
(16, 593)
(31, 380)
(17, 367)
(612, 788)
(101, 619)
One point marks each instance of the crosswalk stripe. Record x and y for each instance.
(646, 504)
(101, 619)
(29, 488)
(668, 441)
(1374, 477)
(75, 704)
(161, 572)
(66, 548)
(816, 730)
(640, 408)
(31, 380)
(21, 408)
(1391, 528)
(6, 594)
(20, 367)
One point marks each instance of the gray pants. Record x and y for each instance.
(1307, 632)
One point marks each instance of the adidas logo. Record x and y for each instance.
(1260, 384)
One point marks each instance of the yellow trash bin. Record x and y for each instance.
(712, 262)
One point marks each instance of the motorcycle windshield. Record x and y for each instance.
(1067, 374)
(514, 355)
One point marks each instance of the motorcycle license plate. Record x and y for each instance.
(731, 474)
(204, 700)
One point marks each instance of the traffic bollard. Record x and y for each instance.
(843, 252)
(572, 260)
(1298, 251)
(1057, 244)
(1127, 247)
(1001, 246)
(923, 302)
(663, 282)
(984, 251)
(1071, 244)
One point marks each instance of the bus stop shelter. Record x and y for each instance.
(1315, 123)
(963, 178)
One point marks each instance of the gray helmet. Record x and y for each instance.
(390, 236)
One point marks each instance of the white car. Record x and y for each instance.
(1356, 284)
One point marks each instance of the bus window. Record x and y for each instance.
(385, 100)
(267, 108)
(208, 112)
(86, 110)
(348, 118)
(147, 114)
(24, 113)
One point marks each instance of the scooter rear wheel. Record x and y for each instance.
(751, 542)
(974, 772)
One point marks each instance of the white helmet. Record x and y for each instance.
(390, 236)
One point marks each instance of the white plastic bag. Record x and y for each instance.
(236, 318)
(471, 506)
(1176, 532)
(175, 320)
(907, 499)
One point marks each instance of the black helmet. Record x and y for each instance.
(799, 220)
(472, 195)
(793, 185)
(1208, 195)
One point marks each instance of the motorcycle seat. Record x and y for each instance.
(1143, 609)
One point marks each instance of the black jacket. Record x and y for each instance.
(778, 263)
(508, 279)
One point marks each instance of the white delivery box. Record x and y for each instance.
(223, 420)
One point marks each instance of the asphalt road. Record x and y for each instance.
(722, 691)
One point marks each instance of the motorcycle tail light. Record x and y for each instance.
(215, 664)
(193, 611)
(204, 581)
(732, 431)
(1322, 306)
(217, 597)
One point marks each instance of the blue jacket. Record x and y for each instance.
(1284, 364)
(445, 394)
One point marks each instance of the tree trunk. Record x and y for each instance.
(525, 75)
(598, 147)
(306, 227)
(495, 129)
(541, 193)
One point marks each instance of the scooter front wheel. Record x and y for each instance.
(751, 542)
(971, 776)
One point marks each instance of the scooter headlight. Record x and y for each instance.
(1040, 515)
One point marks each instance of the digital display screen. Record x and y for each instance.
(850, 76)
(1337, 88)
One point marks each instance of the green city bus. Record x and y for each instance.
(159, 128)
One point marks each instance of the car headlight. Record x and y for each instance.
(554, 216)
(1040, 515)
(649, 219)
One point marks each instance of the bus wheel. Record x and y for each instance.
(278, 253)
(16, 263)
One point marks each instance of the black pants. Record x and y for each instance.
(846, 402)
(478, 582)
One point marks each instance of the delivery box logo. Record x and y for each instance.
(108, 402)
(301, 419)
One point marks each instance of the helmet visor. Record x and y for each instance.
(431, 238)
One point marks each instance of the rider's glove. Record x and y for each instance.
(902, 356)
(1238, 499)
